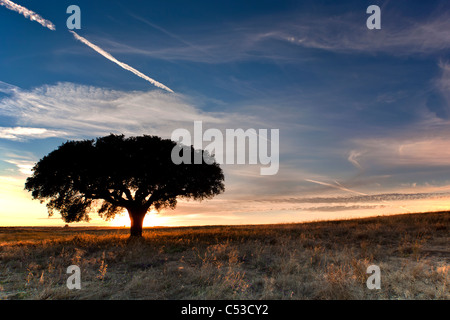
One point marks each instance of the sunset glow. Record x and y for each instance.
(152, 219)
(361, 115)
(200, 152)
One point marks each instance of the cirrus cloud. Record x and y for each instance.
(22, 133)
(76, 111)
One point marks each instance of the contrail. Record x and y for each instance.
(48, 24)
(338, 186)
(121, 64)
(341, 187)
(33, 16)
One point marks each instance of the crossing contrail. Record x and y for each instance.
(48, 24)
(33, 16)
(341, 187)
(121, 64)
(336, 186)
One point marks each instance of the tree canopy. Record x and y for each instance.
(113, 173)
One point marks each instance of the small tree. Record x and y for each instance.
(113, 173)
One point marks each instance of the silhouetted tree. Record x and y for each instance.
(111, 173)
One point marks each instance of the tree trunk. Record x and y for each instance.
(137, 219)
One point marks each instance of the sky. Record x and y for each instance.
(363, 114)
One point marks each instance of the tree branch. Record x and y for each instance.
(141, 194)
(153, 198)
(127, 193)
(107, 196)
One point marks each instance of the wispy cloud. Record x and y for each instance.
(7, 88)
(346, 33)
(79, 111)
(120, 64)
(374, 198)
(413, 150)
(24, 166)
(22, 133)
(265, 37)
(33, 16)
(343, 208)
(443, 83)
(353, 156)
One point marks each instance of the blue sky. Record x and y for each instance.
(363, 114)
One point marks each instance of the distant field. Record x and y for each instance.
(320, 260)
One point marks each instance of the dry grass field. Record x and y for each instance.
(319, 260)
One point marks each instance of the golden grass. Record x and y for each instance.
(320, 260)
